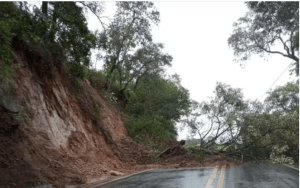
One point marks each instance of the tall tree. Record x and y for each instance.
(129, 41)
(67, 26)
(146, 60)
(267, 24)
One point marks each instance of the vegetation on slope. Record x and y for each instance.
(134, 78)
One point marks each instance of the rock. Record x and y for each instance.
(7, 102)
(176, 166)
(116, 173)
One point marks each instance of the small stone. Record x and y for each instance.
(116, 173)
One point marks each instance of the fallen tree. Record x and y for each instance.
(258, 131)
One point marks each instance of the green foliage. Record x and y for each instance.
(110, 97)
(191, 142)
(152, 125)
(277, 124)
(192, 149)
(69, 29)
(284, 98)
(146, 139)
(96, 78)
(278, 155)
(8, 21)
(131, 54)
(201, 156)
(273, 129)
(78, 71)
(57, 34)
(156, 95)
(97, 111)
(266, 24)
(156, 105)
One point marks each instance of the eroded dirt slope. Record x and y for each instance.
(60, 144)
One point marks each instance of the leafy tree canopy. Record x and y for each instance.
(162, 100)
(267, 24)
(130, 51)
(284, 98)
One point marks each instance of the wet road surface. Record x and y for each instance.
(261, 175)
(244, 176)
(166, 179)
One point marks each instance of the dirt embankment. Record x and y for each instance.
(60, 142)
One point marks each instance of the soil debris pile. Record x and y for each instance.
(176, 156)
(134, 154)
(174, 149)
(220, 160)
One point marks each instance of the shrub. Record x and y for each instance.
(8, 20)
(278, 155)
(152, 125)
(201, 156)
(96, 78)
(97, 111)
(192, 149)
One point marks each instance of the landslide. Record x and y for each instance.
(51, 133)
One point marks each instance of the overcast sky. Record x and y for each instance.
(195, 34)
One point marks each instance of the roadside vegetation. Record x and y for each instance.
(254, 130)
(134, 78)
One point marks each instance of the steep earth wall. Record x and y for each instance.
(60, 144)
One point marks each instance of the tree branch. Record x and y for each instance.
(91, 9)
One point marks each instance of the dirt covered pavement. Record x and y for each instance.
(140, 158)
(178, 157)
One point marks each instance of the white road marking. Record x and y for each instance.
(211, 178)
(221, 178)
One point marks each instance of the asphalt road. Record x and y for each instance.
(261, 175)
(243, 176)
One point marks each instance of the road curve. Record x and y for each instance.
(263, 175)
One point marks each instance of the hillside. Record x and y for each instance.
(58, 141)
(53, 134)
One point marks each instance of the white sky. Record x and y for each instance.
(195, 34)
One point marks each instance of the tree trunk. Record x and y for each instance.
(45, 7)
